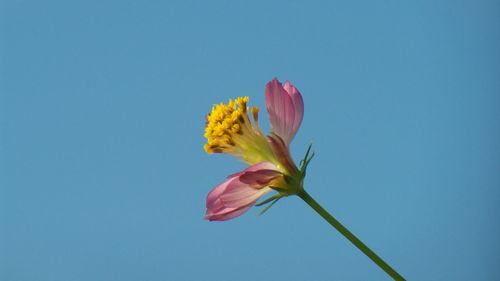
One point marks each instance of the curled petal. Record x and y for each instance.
(282, 152)
(240, 192)
(259, 166)
(228, 214)
(242, 195)
(259, 178)
(298, 103)
(213, 203)
(285, 109)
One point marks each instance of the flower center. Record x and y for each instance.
(229, 130)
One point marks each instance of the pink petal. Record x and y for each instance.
(282, 152)
(259, 179)
(285, 109)
(213, 203)
(229, 214)
(240, 192)
(259, 166)
(242, 195)
(298, 103)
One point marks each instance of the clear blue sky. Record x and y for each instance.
(103, 175)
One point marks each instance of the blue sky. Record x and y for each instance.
(103, 175)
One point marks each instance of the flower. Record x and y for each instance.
(229, 129)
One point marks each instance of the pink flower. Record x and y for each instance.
(230, 130)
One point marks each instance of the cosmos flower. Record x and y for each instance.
(229, 129)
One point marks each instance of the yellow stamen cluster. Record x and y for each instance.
(229, 130)
(223, 122)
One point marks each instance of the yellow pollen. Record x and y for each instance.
(229, 130)
(223, 123)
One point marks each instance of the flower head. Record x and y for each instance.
(229, 129)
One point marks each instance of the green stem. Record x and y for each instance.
(335, 223)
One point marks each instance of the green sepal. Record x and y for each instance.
(307, 158)
(307, 154)
(268, 200)
(270, 204)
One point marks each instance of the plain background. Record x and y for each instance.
(103, 175)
